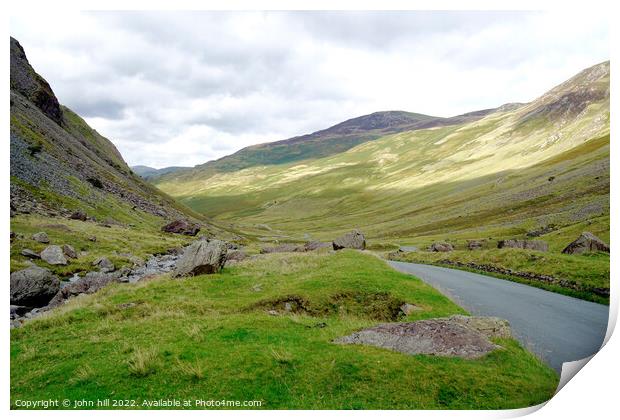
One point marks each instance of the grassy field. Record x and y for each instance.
(210, 337)
(140, 240)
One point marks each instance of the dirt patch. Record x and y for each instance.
(380, 306)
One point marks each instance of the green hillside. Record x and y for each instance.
(505, 174)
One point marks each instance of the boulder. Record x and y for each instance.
(182, 227)
(586, 242)
(78, 215)
(41, 237)
(282, 248)
(441, 247)
(438, 337)
(104, 264)
(409, 308)
(353, 240)
(30, 253)
(524, 244)
(201, 257)
(235, 255)
(69, 251)
(33, 286)
(314, 245)
(92, 238)
(473, 245)
(53, 255)
(88, 284)
(18, 311)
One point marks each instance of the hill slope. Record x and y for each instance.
(59, 164)
(513, 170)
(333, 140)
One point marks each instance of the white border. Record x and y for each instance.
(593, 391)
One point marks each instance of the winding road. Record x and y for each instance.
(557, 328)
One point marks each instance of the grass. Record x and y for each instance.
(139, 241)
(211, 337)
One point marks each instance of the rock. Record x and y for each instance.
(53, 255)
(136, 261)
(490, 326)
(201, 257)
(30, 253)
(18, 311)
(282, 248)
(409, 308)
(104, 264)
(586, 242)
(32, 86)
(235, 255)
(473, 245)
(353, 240)
(182, 227)
(41, 237)
(441, 247)
(314, 245)
(438, 337)
(88, 284)
(288, 307)
(272, 312)
(92, 238)
(69, 251)
(523, 244)
(78, 215)
(33, 286)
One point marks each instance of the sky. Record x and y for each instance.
(183, 88)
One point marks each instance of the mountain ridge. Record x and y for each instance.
(60, 165)
(413, 182)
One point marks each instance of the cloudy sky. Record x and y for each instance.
(184, 88)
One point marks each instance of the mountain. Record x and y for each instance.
(505, 171)
(333, 140)
(59, 164)
(147, 172)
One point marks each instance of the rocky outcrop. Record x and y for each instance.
(41, 237)
(181, 227)
(78, 215)
(32, 86)
(69, 251)
(90, 283)
(314, 245)
(352, 240)
(33, 286)
(30, 253)
(474, 245)
(54, 255)
(282, 248)
(459, 336)
(235, 255)
(586, 242)
(104, 264)
(441, 247)
(202, 257)
(524, 244)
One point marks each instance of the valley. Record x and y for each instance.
(262, 276)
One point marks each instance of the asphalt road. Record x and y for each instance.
(557, 328)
